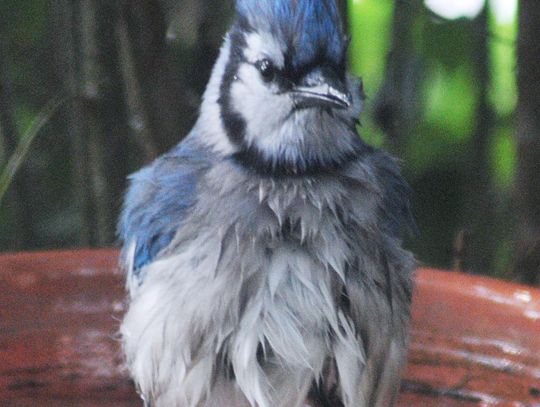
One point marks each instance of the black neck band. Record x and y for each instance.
(254, 160)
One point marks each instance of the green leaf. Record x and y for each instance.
(20, 153)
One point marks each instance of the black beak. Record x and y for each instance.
(321, 88)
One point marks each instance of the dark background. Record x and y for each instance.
(458, 100)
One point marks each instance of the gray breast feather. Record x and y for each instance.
(269, 286)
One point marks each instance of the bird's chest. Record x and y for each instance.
(299, 212)
(283, 240)
(307, 212)
(299, 230)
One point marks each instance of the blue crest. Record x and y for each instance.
(310, 28)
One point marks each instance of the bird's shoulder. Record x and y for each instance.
(395, 193)
(158, 200)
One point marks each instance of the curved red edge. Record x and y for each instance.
(474, 341)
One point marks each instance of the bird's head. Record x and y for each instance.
(285, 98)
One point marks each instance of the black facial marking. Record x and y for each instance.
(254, 160)
(235, 125)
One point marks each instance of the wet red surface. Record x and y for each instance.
(475, 341)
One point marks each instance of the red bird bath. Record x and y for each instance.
(475, 341)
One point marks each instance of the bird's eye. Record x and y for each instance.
(266, 68)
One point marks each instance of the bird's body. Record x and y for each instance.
(265, 264)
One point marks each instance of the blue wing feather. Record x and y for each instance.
(158, 200)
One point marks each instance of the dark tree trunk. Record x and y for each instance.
(527, 260)
(397, 102)
(138, 119)
(19, 199)
(194, 34)
(173, 49)
(130, 74)
(67, 17)
(103, 115)
(480, 199)
(152, 83)
(95, 119)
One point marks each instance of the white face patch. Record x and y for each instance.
(262, 106)
(264, 46)
(209, 123)
(265, 111)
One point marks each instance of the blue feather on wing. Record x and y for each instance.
(158, 200)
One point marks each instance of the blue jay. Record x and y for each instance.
(264, 257)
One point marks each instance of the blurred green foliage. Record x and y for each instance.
(435, 150)
(37, 210)
(435, 153)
